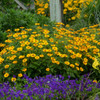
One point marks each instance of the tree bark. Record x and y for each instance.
(32, 6)
(56, 10)
(21, 4)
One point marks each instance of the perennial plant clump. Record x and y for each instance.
(63, 51)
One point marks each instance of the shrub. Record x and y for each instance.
(37, 52)
(16, 18)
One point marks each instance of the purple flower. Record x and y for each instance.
(97, 97)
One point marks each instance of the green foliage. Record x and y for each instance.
(16, 18)
(90, 15)
(7, 4)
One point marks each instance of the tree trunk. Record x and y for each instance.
(56, 10)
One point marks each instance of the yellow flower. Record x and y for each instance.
(13, 79)
(8, 30)
(1, 60)
(9, 41)
(45, 31)
(21, 27)
(24, 36)
(77, 68)
(35, 44)
(28, 47)
(49, 54)
(24, 70)
(28, 55)
(81, 69)
(51, 39)
(67, 62)
(24, 64)
(47, 69)
(6, 74)
(67, 25)
(37, 57)
(6, 66)
(46, 5)
(95, 81)
(21, 56)
(14, 62)
(46, 36)
(72, 65)
(19, 49)
(85, 63)
(24, 60)
(73, 18)
(76, 64)
(27, 43)
(55, 48)
(33, 54)
(41, 55)
(11, 58)
(37, 23)
(40, 46)
(16, 29)
(13, 52)
(85, 60)
(2, 45)
(22, 45)
(78, 55)
(57, 62)
(20, 75)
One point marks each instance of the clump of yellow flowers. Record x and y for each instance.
(73, 7)
(37, 51)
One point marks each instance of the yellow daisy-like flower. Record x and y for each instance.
(24, 70)
(77, 68)
(95, 81)
(28, 47)
(6, 66)
(14, 62)
(16, 29)
(76, 64)
(19, 49)
(20, 75)
(41, 55)
(24, 60)
(81, 69)
(21, 56)
(13, 79)
(6, 74)
(47, 69)
(33, 54)
(1, 60)
(67, 62)
(72, 65)
(37, 57)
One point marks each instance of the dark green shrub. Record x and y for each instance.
(16, 18)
